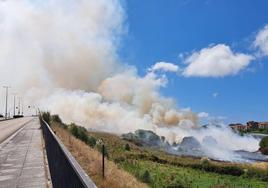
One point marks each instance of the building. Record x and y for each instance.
(252, 125)
(263, 125)
(249, 126)
(238, 127)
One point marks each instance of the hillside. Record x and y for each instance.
(156, 168)
(90, 161)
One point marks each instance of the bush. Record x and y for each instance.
(146, 177)
(127, 147)
(264, 151)
(46, 117)
(264, 145)
(264, 142)
(257, 173)
(91, 141)
(209, 167)
(73, 129)
(81, 134)
(56, 118)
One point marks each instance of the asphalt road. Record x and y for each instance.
(8, 127)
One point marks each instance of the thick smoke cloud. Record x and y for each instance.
(62, 56)
(68, 44)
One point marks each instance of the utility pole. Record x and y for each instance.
(19, 107)
(6, 87)
(14, 113)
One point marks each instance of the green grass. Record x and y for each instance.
(159, 169)
(173, 171)
(171, 176)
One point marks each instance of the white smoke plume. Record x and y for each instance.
(62, 56)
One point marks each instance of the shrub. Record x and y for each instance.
(81, 134)
(46, 117)
(91, 141)
(127, 147)
(257, 173)
(73, 129)
(264, 145)
(146, 177)
(209, 167)
(78, 132)
(264, 151)
(56, 118)
(264, 142)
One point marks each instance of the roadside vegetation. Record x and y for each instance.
(264, 145)
(151, 167)
(86, 151)
(159, 169)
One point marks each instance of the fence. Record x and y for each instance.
(64, 169)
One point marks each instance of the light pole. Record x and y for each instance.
(19, 107)
(6, 87)
(14, 112)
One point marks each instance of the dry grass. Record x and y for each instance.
(260, 165)
(91, 161)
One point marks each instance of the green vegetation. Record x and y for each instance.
(264, 142)
(46, 117)
(166, 170)
(81, 133)
(259, 130)
(77, 131)
(146, 177)
(56, 118)
(264, 145)
(127, 147)
(163, 175)
(159, 169)
(262, 131)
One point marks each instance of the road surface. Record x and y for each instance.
(8, 127)
(22, 159)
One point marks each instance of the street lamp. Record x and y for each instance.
(6, 87)
(14, 112)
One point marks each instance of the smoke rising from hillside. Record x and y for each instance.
(63, 56)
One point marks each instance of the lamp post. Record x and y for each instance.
(19, 107)
(6, 87)
(14, 112)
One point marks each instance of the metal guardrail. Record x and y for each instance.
(64, 169)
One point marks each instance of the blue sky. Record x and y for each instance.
(162, 30)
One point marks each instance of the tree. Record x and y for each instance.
(264, 145)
